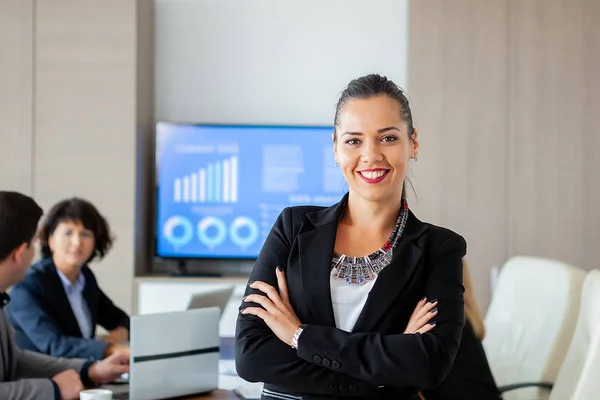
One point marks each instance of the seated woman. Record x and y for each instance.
(333, 288)
(56, 308)
(470, 376)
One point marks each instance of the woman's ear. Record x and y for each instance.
(50, 243)
(415, 142)
(335, 157)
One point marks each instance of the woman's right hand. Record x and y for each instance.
(419, 320)
(118, 335)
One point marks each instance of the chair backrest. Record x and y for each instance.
(579, 376)
(530, 322)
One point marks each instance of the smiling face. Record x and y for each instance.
(373, 147)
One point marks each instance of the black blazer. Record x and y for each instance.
(375, 360)
(470, 376)
(43, 320)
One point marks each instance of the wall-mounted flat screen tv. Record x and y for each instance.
(221, 188)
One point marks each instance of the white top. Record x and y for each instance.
(348, 301)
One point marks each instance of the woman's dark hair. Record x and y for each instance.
(77, 210)
(19, 217)
(374, 85)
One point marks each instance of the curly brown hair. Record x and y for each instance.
(77, 210)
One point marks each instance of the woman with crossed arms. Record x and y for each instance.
(330, 296)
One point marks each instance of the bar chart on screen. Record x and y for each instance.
(216, 182)
(220, 189)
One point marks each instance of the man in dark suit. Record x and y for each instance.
(25, 375)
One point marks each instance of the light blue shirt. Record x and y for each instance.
(78, 304)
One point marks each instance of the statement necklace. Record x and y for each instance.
(359, 270)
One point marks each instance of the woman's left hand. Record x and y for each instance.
(118, 335)
(278, 313)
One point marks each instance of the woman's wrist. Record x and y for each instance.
(296, 336)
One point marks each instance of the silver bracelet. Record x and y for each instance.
(297, 336)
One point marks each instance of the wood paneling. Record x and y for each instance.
(554, 98)
(591, 138)
(85, 119)
(506, 95)
(145, 188)
(457, 78)
(16, 99)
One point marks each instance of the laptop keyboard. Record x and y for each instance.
(121, 396)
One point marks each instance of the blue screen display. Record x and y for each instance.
(221, 188)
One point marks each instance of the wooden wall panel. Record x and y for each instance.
(145, 188)
(457, 84)
(85, 120)
(506, 95)
(554, 99)
(591, 140)
(16, 99)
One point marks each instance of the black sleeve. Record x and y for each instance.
(57, 394)
(259, 355)
(84, 376)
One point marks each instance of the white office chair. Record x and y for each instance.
(530, 323)
(579, 376)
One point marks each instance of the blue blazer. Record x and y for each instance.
(375, 360)
(44, 322)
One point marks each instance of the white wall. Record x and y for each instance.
(271, 61)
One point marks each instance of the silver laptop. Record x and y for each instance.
(212, 298)
(172, 354)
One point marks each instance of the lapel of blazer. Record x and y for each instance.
(63, 306)
(315, 247)
(394, 277)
